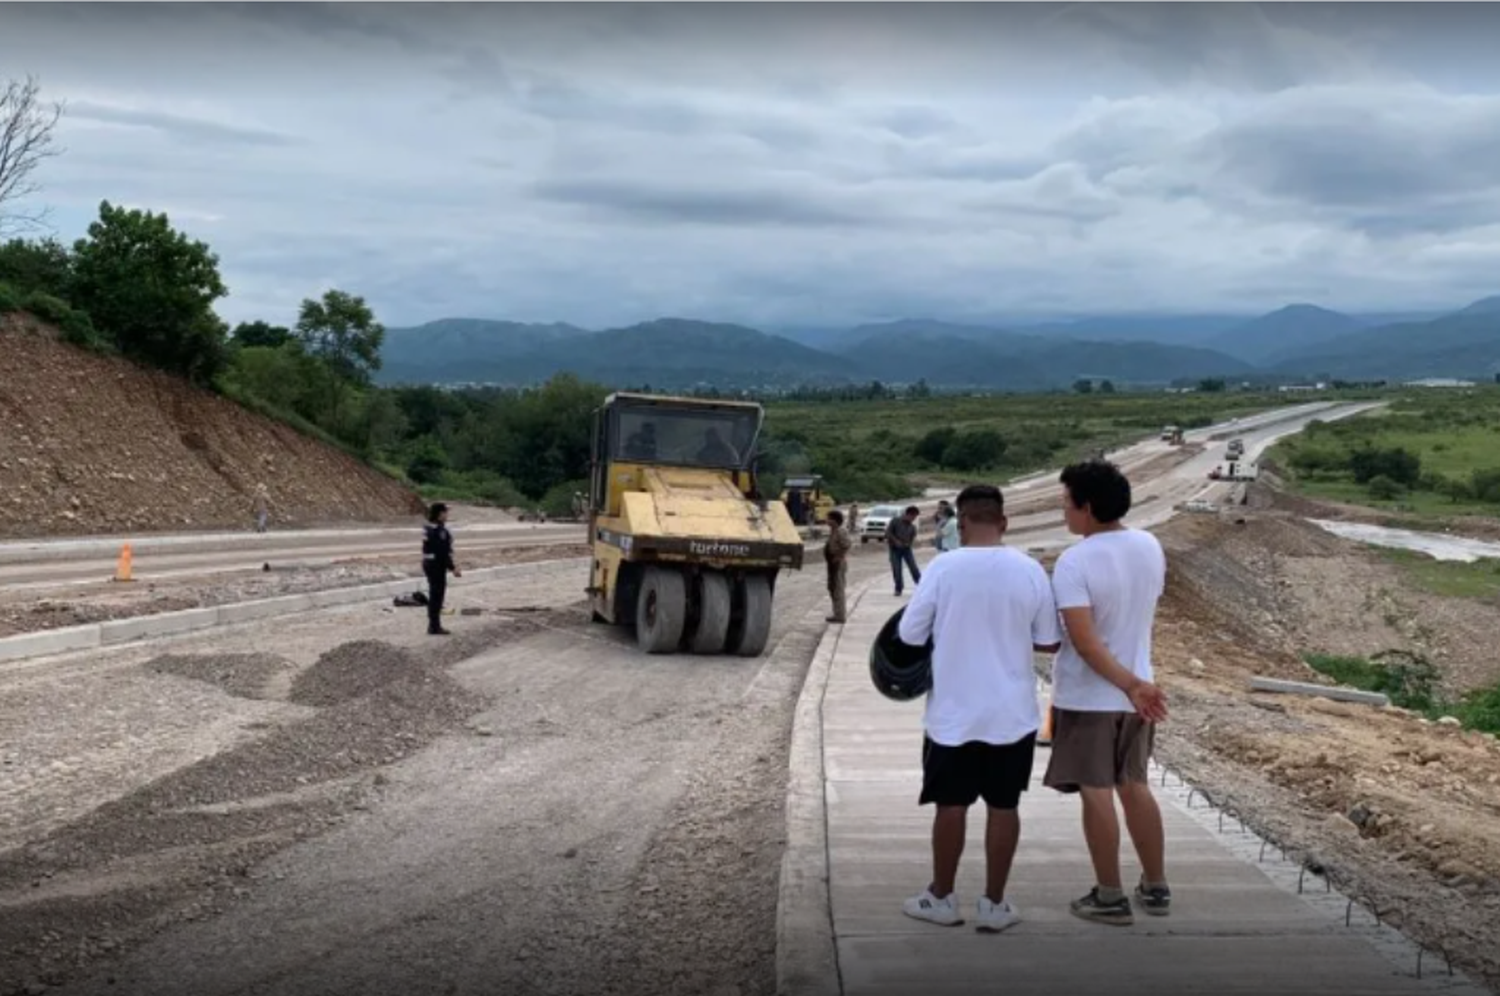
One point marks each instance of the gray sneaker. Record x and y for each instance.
(1155, 901)
(1091, 907)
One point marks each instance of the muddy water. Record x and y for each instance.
(1436, 545)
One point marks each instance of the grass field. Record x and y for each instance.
(883, 449)
(1434, 452)
(1411, 683)
(1452, 578)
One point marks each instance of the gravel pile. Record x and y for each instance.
(247, 676)
(351, 670)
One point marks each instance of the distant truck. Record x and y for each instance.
(1235, 470)
(1172, 435)
(1235, 451)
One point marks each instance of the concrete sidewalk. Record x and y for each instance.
(1237, 926)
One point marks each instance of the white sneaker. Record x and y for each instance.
(995, 917)
(943, 912)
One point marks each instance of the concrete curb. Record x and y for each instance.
(117, 632)
(806, 956)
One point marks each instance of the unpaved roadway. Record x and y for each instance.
(335, 803)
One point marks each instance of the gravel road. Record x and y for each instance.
(338, 804)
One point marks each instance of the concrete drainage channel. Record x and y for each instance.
(116, 632)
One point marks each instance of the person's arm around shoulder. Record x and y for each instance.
(1070, 589)
(1046, 628)
(921, 612)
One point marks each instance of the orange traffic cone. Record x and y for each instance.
(1044, 736)
(122, 570)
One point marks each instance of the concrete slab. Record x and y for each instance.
(160, 624)
(1236, 926)
(51, 641)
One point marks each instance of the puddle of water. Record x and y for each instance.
(1435, 545)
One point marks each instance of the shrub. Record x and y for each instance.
(1398, 464)
(10, 299)
(1385, 489)
(52, 310)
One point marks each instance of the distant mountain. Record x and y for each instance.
(668, 352)
(1178, 330)
(447, 349)
(918, 330)
(1464, 344)
(1284, 332)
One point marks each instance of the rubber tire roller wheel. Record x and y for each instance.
(661, 610)
(714, 614)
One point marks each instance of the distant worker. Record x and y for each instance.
(853, 524)
(938, 518)
(437, 561)
(642, 444)
(795, 507)
(900, 536)
(836, 553)
(947, 533)
(715, 451)
(261, 506)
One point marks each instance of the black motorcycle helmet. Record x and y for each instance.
(900, 671)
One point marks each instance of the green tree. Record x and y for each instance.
(44, 266)
(261, 334)
(975, 449)
(932, 446)
(341, 330)
(1107, 387)
(151, 289)
(1083, 386)
(1212, 385)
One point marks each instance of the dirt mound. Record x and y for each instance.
(94, 444)
(247, 676)
(351, 670)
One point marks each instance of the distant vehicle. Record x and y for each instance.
(1236, 450)
(1168, 432)
(806, 500)
(1198, 505)
(876, 519)
(1235, 470)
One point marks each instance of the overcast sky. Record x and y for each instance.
(789, 163)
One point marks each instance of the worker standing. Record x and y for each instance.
(900, 535)
(437, 561)
(261, 507)
(947, 530)
(853, 524)
(836, 553)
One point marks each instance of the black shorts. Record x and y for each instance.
(960, 776)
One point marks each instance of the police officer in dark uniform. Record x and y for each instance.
(437, 561)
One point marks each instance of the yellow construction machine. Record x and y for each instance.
(806, 501)
(685, 549)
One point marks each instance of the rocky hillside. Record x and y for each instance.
(94, 445)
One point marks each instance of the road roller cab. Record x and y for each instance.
(684, 548)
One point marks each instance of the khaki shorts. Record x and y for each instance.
(1098, 750)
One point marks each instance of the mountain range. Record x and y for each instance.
(1296, 342)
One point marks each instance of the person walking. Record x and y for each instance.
(260, 505)
(987, 608)
(437, 561)
(1106, 707)
(900, 536)
(836, 554)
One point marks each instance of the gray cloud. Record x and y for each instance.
(795, 163)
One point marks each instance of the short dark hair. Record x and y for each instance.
(836, 516)
(1099, 486)
(913, 510)
(981, 503)
(437, 509)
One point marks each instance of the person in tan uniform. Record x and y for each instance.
(836, 553)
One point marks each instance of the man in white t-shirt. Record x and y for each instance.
(987, 608)
(1106, 587)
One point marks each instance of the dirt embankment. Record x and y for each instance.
(1403, 811)
(93, 444)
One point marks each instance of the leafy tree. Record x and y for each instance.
(26, 126)
(43, 266)
(932, 446)
(261, 334)
(1398, 464)
(1107, 387)
(1212, 385)
(1384, 488)
(341, 330)
(975, 449)
(1083, 386)
(152, 290)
